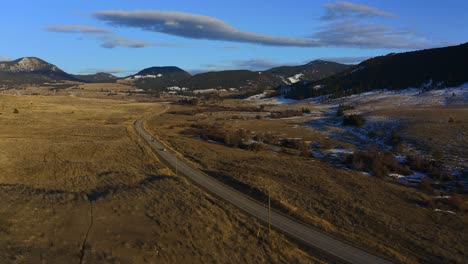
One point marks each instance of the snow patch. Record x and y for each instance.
(413, 178)
(256, 97)
(444, 211)
(295, 78)
(209, 91)
(177, 88)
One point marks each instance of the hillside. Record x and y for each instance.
(314, 70)
(241, 80)
(31, 70)
(430, 68)
(157, 79)
(100, 77)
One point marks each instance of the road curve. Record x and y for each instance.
(334, 249)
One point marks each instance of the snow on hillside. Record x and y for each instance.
(211, 90)
(177, 88)
(410, 96)
(262, 99)
(256, 97)
(144, 76)
(295, 78)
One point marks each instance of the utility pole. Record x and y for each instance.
(269, 210)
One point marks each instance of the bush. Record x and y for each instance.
(354, 120)
(457, 202)
(394, 139)
(426, 186)
(437, 154)
(286, 113)
(380, 164)
(298, 144)
(342, 108)
(15, 111)
(192, 101)
(451, 120)
(340, 112)
(432, 167)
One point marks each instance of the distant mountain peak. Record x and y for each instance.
(28, 64)
(315, 62)
(161, 70)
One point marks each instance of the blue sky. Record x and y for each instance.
(121, 36)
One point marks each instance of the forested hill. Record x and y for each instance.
(430, 68)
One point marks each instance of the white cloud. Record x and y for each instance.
(194, 26)
(342, 9)
(77, 29)
(356, 34)
(111, 42)
(343, 28)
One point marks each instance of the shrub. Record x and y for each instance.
(342, 108)
(457, 202)
(286, 113)
(305, 110)
(15, 111)
(394, 139)
(346, 107)
(432, 167)
(437, 154)
(451, 120)
(340, 112)
(354, 120)
(380, 164)
(192, 101)
(426, 186)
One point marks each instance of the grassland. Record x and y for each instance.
(374, 213)
(442, 128)
(77, 185)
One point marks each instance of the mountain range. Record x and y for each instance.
(430, 68)
(34, 71)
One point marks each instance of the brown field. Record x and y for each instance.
(429, 128)
(76, 185)
(374, 213)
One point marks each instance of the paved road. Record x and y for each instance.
(331, 247)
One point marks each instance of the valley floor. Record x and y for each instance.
(77, 185)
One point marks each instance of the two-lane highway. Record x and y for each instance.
(333, 248)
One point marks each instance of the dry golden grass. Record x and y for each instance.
(429, 128)
(370, 212)
(110, 87)
(73, 176)
(55, 136)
